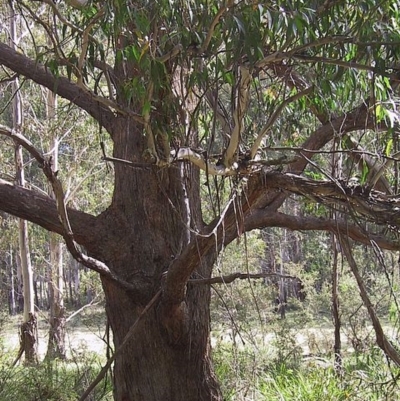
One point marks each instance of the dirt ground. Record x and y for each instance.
(77, 342)
(311, 341)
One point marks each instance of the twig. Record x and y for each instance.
(91, 303)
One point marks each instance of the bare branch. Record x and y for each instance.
(236, 276)
(94, 301)
(66, 231)
(375, 206)
(262, 218)
(381, 339)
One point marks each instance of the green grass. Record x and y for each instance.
(52, 381)
(253, 375)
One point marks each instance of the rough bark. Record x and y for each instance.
(152, 207)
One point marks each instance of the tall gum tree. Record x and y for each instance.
(28, 328)
(191, 90)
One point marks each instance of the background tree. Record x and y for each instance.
(28, 328)
(252, 96)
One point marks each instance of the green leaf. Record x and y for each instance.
(240, 24)
(389, 147)
(146, 108)
(364, 172)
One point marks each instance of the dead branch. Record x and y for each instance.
(78, 311)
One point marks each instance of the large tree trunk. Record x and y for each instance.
(146, 228)
(153, 366)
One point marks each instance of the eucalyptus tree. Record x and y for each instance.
(28, 328)
(194, 95)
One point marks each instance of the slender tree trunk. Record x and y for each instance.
(282, 290)
(28, 329)
(19, 284)
(337, 167)
(12, 297)
(56, 344)
(337, 348)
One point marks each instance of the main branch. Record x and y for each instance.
(38, 73)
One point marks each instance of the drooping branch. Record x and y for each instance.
(97, 107)
(381, 338)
